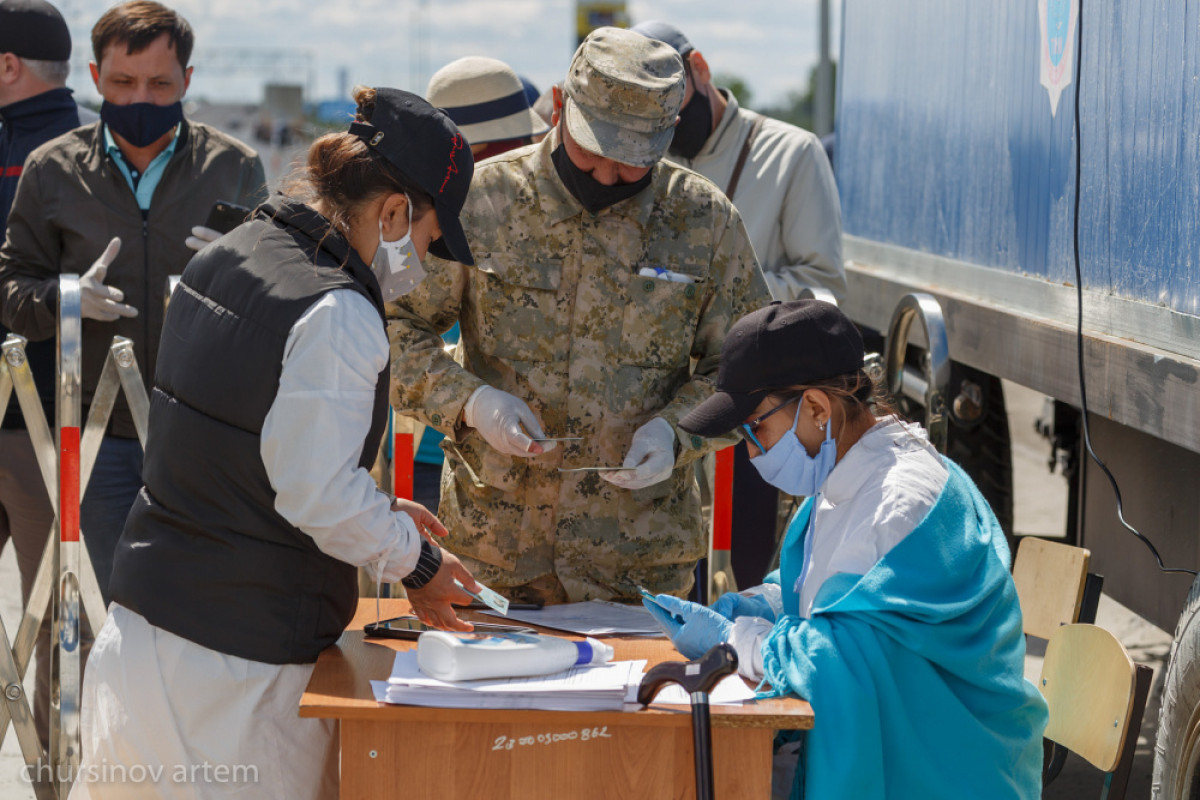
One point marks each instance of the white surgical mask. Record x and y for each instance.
(396, 265)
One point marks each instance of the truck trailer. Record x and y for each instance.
(1034, 166)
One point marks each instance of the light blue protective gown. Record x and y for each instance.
(914, 670)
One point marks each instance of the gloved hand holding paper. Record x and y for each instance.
(694, 629)
(506, 423)
(651, 457)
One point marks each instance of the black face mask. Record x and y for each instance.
(694, 127)
(141, 124)
(591, 194)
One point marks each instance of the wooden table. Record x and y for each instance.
(410, 751)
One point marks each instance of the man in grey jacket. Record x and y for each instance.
(781, 181)
(784, 188)
(137, 181)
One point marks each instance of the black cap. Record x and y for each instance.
(782, 345)
(425, 145)
(666, 33)
(34, 29)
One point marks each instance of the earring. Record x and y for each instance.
(821, 427)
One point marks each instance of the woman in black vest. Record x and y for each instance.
(238, 562)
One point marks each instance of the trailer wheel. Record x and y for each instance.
(982, 447)
(1177, 746)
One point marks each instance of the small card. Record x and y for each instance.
(651, 597)
(488, 598)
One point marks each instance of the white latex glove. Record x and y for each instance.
(499, 417)
(98, 301)
(202, 237)
(652, 451)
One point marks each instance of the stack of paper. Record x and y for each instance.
(605, 687)
(591, 618)
(602, 687)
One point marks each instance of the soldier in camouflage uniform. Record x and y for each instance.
(565, 329)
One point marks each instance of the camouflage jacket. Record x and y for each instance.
(554, 312)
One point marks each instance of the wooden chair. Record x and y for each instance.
(1097, 697)
(1054, 586)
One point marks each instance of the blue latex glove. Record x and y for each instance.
(732, 605)
(694, 629)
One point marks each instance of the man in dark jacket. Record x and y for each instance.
(35, 106)
(145, 176)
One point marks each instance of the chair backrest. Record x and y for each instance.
(1050, 579)
(1089, 683)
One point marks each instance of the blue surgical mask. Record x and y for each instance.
(788, 467)
(141, 124)
(396, 265)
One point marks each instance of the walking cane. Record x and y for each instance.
(697, 679)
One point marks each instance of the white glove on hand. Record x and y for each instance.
(202, 237)
(498, 416)
(98, 301)
(652, 451)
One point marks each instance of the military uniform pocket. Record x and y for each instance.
(477, 463)
(518, 309)
(659, 322)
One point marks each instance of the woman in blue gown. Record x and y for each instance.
(893, 611)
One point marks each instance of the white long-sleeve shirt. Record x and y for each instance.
(876, 496)
(787, 197)
(313, 436)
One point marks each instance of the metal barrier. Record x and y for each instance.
(935, 382)
(720, 559)
(66, 583)
(66, 669)
(15, 377)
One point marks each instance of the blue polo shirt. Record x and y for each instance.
(143, 185)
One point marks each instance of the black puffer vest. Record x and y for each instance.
(204, 553)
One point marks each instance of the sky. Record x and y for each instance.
(771, 44)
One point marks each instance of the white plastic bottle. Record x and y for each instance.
(465, 657)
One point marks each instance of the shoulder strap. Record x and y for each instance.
(741, 162)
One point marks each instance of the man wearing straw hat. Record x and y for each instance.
(604, 283)
(489, 104)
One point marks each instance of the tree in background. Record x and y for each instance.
(799, 105)
(737, 86)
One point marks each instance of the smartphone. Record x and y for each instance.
(225, 216)
(650, 597)
(476, 605)
(411, 628)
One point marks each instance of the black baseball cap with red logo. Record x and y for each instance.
(777, 347)
(425, 145)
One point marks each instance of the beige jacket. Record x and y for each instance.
(787, 197)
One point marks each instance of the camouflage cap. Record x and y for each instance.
(623, 94)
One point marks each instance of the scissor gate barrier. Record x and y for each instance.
(66, 585)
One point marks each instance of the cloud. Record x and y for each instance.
(770, 44)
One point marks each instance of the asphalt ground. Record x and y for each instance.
(1040, 509)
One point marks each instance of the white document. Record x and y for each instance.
(592, 618)
(600, 687)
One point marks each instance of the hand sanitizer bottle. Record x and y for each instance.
(465, 657)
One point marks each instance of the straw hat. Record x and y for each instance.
(486, 100)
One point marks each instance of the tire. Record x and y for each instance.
(1177, 746)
